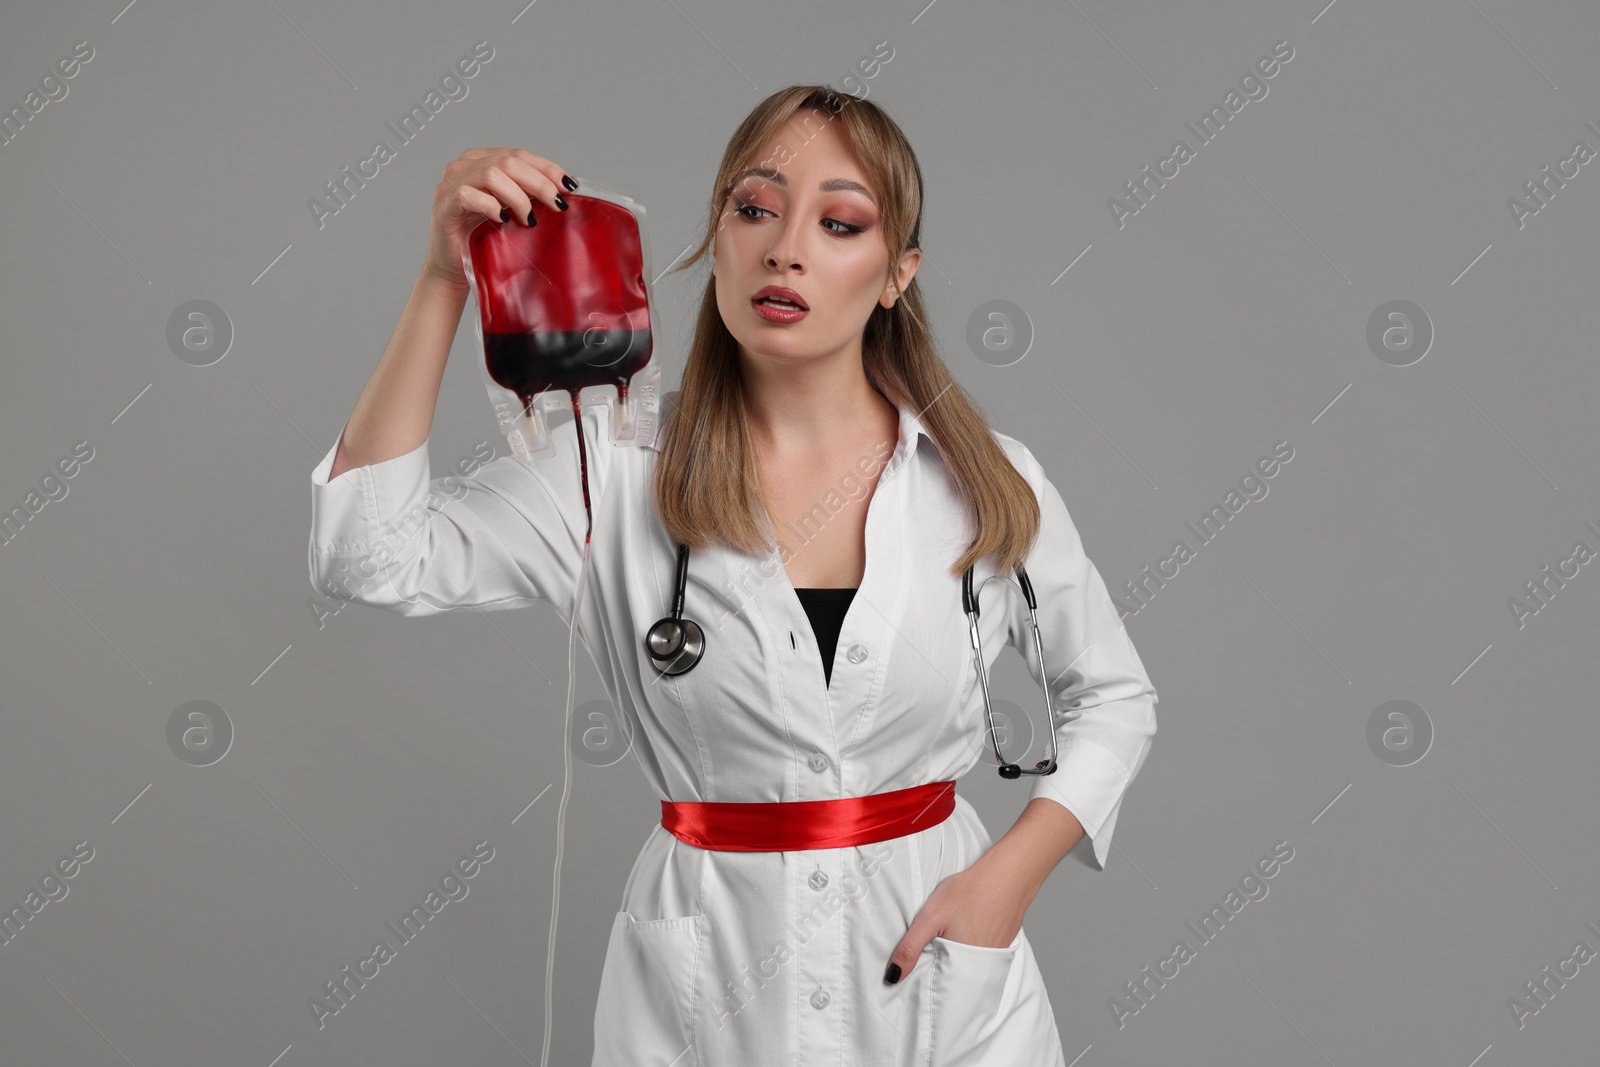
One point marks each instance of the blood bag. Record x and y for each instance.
(565, 311)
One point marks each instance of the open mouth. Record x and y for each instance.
(779, 298)
(775, 305)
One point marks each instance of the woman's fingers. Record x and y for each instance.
(509, 193)
(488, 183)
(537, 179)
(514, 177)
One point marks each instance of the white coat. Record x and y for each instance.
(736, 959)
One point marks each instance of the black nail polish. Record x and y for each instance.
(892, 973)
(531, 221)
(561, 202)
(571, 185)
(505, 214)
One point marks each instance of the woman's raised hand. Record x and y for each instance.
(485, 183)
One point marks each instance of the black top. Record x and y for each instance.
(826, 608)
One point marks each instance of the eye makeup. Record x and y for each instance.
(849, 228)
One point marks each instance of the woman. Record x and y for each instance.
(818, 463)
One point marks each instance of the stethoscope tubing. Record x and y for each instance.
(675, 645)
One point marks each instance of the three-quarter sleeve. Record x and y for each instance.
(1102, 699)
(502, 536)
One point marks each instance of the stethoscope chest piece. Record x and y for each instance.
(675, 645)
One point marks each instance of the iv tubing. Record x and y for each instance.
(566, 746)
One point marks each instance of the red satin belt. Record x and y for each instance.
(786, 826)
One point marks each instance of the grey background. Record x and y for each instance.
(372, 752)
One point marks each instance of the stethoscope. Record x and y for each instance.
(676, 644)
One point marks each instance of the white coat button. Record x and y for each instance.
(858, 653)
(818, 762)
(818, 879)
(819, 999)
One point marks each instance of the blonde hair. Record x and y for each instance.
(707, 484)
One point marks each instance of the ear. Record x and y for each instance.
(909, 261)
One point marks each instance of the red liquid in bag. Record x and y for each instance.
(564, 304)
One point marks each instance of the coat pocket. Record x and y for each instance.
(645, 1014)
(971, 987)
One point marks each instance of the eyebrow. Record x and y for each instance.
(831, 185)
